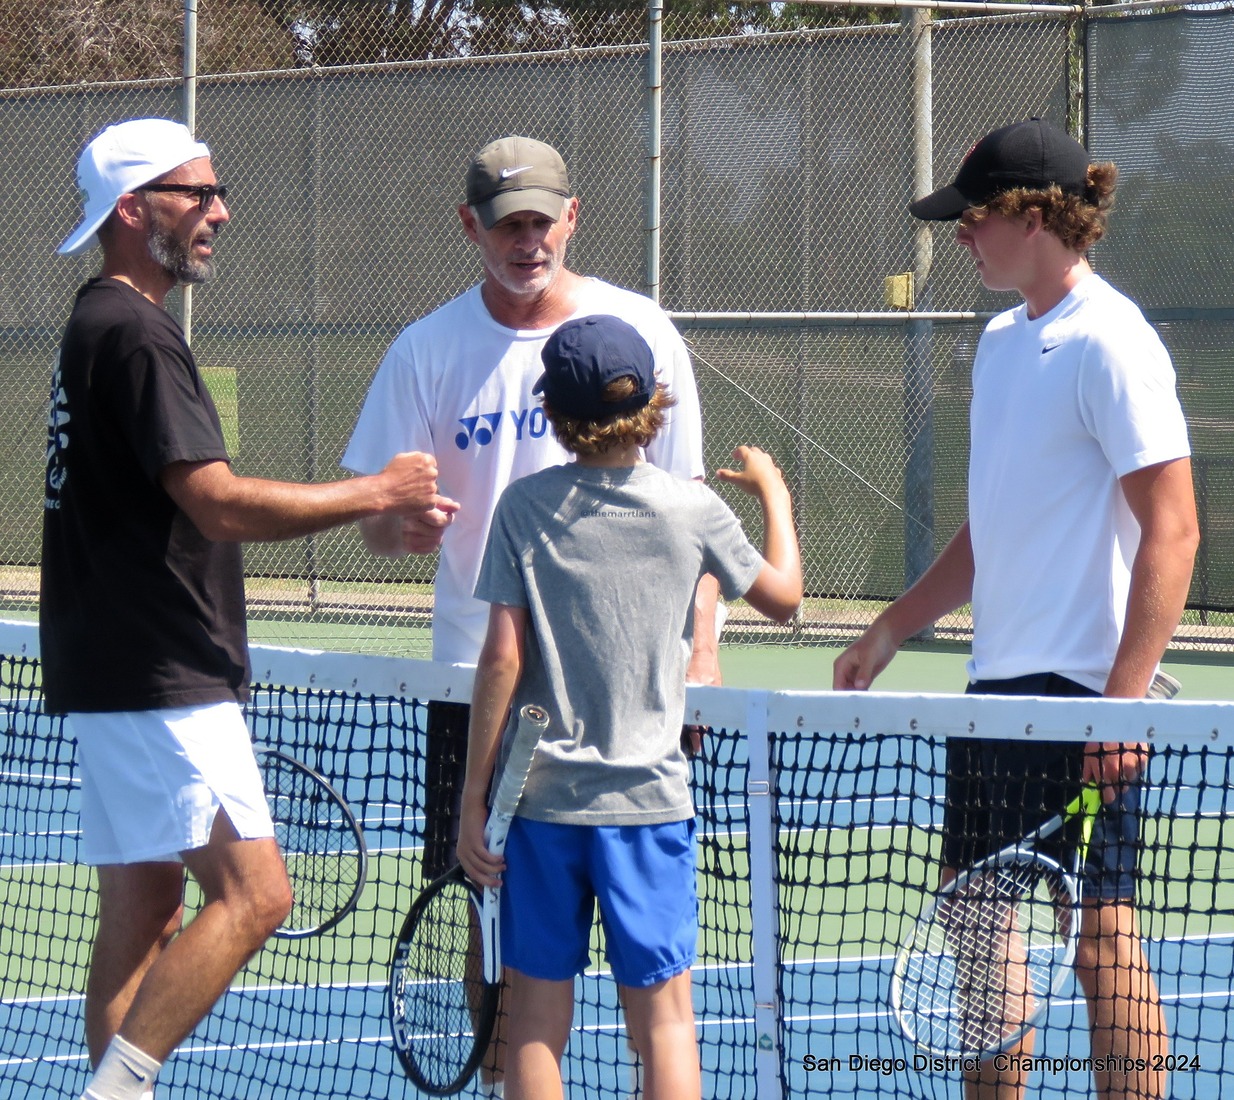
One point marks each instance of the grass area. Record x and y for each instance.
(50, 912)
(48, 923)
(224, 389)
(849, 891)
(1188, 876)
(357, 950)
(847, 894)
(376, 639)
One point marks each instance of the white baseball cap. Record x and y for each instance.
(119, 160)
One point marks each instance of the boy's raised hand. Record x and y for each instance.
(777, 591)
(759, 473)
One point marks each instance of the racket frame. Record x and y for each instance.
(1014, 856)
(532, 722)
(484, 1018)
(1085, 805)
(285, 760)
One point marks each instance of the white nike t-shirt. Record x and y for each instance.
(1063, 406)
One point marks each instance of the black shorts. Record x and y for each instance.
(444, 771)
(999, 790)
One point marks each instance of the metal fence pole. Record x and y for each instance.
(1077, 74)
(655, 21)
(315, 188)
(918, 352)
(189, 110)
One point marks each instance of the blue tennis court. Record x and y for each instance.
(846, 834)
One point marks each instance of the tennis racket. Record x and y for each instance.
(1164, 686)
(322, 844)
(992, 946)
(445, 978)
(532, 722)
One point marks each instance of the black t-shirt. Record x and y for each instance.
(138, 609)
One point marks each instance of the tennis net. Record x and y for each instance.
(819, 839)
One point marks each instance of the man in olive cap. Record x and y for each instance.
(458, 384)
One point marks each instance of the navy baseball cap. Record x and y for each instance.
(583, 356)
(1031, 154)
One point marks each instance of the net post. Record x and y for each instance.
(765, 910)
(654, 99)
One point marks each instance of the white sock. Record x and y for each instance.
(125, 1073)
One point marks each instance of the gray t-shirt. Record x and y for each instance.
(606, 562)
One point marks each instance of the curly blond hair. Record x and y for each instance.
(588, 437)
(1079, 221)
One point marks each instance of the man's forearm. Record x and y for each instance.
(704, 667)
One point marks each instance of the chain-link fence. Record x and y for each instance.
(791, 139)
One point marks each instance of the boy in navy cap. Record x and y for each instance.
(1076, 557)
(590, 571)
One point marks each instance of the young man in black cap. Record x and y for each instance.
(1076, 555)
(590, 573)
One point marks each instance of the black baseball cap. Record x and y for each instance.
(1031, 154)
(585, 355)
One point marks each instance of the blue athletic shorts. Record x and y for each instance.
(999, 790)
(641, 875)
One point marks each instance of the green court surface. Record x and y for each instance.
(852, 837)
(936, 668)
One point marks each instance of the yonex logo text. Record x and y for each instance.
(527, 424)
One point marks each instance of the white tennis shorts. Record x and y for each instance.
(153, 781)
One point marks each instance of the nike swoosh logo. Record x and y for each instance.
(1045, 351)
(138, 1075)
(508, 173)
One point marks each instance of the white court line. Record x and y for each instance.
(44, 779)
(588, 1028)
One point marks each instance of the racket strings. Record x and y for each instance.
(980, 970)
(442, 1011)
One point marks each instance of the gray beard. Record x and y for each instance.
(174, 257)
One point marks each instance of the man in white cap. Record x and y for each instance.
(142, 617)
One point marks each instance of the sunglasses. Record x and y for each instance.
(205, 193)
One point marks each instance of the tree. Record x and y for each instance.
(349, 32)
(70, 42)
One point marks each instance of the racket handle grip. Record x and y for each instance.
(490, 934)
(495, 832)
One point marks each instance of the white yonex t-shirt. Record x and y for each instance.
(1063, 406)
(458, 385)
